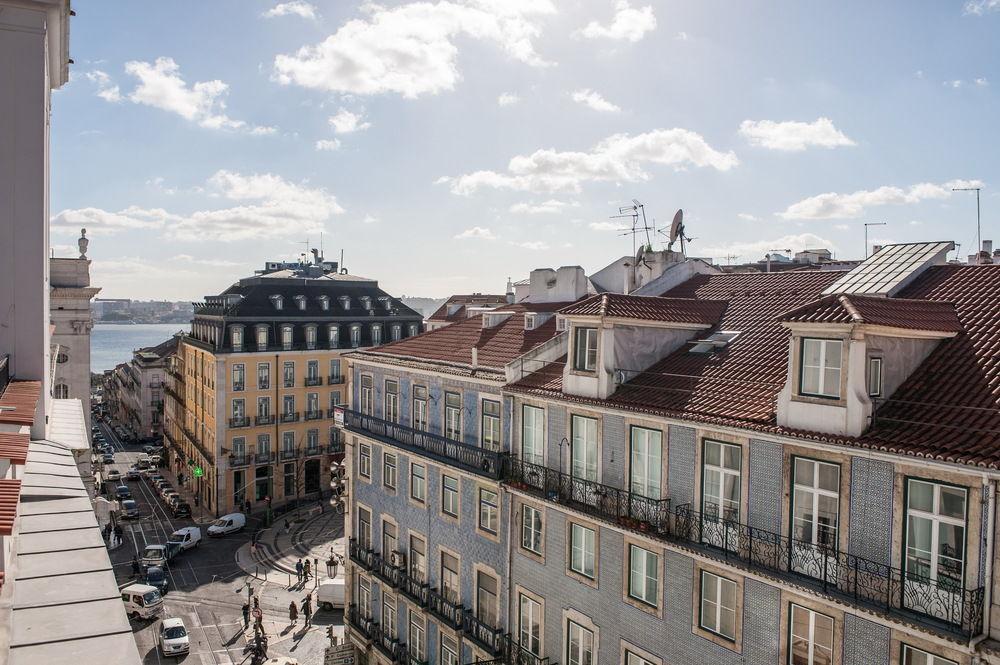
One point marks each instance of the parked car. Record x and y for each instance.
(169, 494)
(182, 509)
(155, 459)
(142, 601)
(228, 524)
(130, 509)
(173, 638)
(173, 500)
(113, 475)
(188, 537)
(143, 463)
(331, 594)
(123, 492)
(108, 458)
(133, 473)
(155, 577)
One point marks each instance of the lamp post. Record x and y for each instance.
(979, 238)
(867, 224)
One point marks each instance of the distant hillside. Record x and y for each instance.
(425, 306)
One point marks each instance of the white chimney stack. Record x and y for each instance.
(988, 246)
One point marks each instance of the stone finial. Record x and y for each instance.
(82, 243)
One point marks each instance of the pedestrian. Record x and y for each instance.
(256, 603)
(288, 527)
(293, 613)
(298, 569)
(316, 567)
(305, 571)
(135, 566)
(307, 609)
(246, 615)
(320, 502)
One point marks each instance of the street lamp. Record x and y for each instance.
(867, 224)
(979, 239)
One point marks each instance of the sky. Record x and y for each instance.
(447, 145)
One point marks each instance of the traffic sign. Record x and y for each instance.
(342, 654)
(198, 472)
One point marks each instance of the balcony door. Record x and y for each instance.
(815, 518)
(935, 549)
(583, 459)
(721, 490)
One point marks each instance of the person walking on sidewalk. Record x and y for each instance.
(305, 571)
(135, 567)
(307, 609)
(316, 568)
(246, 615)
(293, 613)
(298, 569)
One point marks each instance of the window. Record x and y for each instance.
(264, 445)
(239, 409)
(264, 407)
(820, 371)
(718, 605)
(389, 470)
(418, 482)
(364, 528)
(579, 645)
(453, 416)
(582, 550)
(310, 337)
(376, 334)
(312, 370)
(722, 481)
(811, 637)
(935, 533)
(389, 615)
(239, 447)
(914, 656)
(645, 461)
(488, 511)
(449, 495)
(491, 425)
(287, 405)
(643, 578)
(345, 302)
(418, 558)
(449, 651)
(365, 461)
(585, 349)
(333, 335)
(532, 434)
(334, 398)
(290, 479)
(487, 595)
(335, 371)
(365, 596)
(530, 624)
(584, 448)
(288, 443)
(397, 332)
(531, 528)
(355, 336)
(286, 338)
(391, 405)
(874, 377)
(815, 502)
(261, 338)
(263, 376)
(239, 377)
(414, 329)
(420, 407)
(278, 301)
(636, 659)
(415, 640)
(388, 538)
(288, 374)
(312, 403)
(312, 439)
(324, 302)
(450, 577)
(236, 338)
(366, 394)
(300, 301)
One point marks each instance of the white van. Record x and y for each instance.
(330, 594)
(142, 600)
(188, 537)
(228, 524)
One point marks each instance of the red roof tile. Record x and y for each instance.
(474, 300)
(18, 402)
(894, 312)
(649, 308)
(14, 446)
(10, 494)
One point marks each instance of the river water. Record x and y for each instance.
(111, 344)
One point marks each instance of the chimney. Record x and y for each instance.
(988, 246)
(876, 249)
(475, 358)
(973, 259)
(510, 292)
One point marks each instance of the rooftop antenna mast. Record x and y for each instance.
(633, 212)
(979, 228)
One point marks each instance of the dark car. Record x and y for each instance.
(156, 577)
(123, 492)
(182, 509)
(108, 458)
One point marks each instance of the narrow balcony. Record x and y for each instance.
(336, 448)
(312, 451)
(937, 604)
(483, 632)
(311, 381)
(263, 458)
(314, 415)
(393, 649)
(482, 462)
(512, 653)
(237, 461)
(290, 417)
(365, 626)
(263, 420)
(445, 608)
(239, 421)
(289, 454)
(335, 380)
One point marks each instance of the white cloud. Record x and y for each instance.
(265, 206)
(106, 88)
(508, 99)
(370, 219)
(832, 205)
(793, 136)
(682, 36)
(178, 277)
(159, 184)
(606, 226)
(957, 83)
(476, 232)
(218, 263)
(982, 82)
(412, 49)
(755, 250)
(552, 206)
(345, 122)
(618, 158)
(161, 86)
(747, 217)
(595, 101)
(292, 8)
(328, 144)
(629, 24)
(533, 245)
(980, 7)
(842, 227)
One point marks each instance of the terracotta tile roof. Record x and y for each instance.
(10, 495)
(464, 301)
(905, 313)
(18, 402)
(495, 346)
(649, 308)
(14, 446)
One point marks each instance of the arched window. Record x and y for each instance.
(286, 337)
(61, 391)
(333, 335)
(278, 301)
(397, 332)
(63, 357)
(262, 338)
(376, 334)
(355, 335)
(311, 337)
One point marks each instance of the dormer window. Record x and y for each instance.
(333, 335)
(286, 338)
(236, 338)
(345, 302)
(386, 302)
(529, 321)
(820, 371)
(262, 338)
(324, 302)
(301, 302)
(355, 335)
(413, 329)
(277, 301)
(874, 377)
(366, 302)
(310, 337)
(397, 332)
(376, 334)
(585, 349)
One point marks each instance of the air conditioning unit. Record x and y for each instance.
(398, 559)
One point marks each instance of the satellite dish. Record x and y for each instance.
(676, 228)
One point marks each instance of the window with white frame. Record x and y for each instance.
(311, 337)
(365, 461)
(487, 595)
(585, 349)
(532, 434)
(287, 405)
(324, 302)
(718, 605)
(300, 301)
(583, 454)
(935, 533)
(582, 541)
(530, 624)
(420, 407)
(397, 332)
(449, 495)
(389, 615)
(632, 658)
(488, 511)
(239, 409)
(355, 335)
(239, 447)
(815, 502)
(450, 577)
(579, 644)
(722, 480)
(261, 338)
(367, 401)
(531, 528)
(391, 402)
(874, 377)
(365, 596)
(376, 334)
(263, 376)
(288, 374)
(287, 444)
(418, 482)
(414, 329)
(645, 461)
(286, 337)
(415, 640)
(811, 636)
(449, 651)
(236, 338)
(820, 370)
(491, 424)
(263, 407)
(335, 370)
(915, 656)
(644, 577)
(333, 335)
(453, 416)
(389, 470)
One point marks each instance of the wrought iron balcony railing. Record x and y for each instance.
(314, 415)
(236, 461)
(513, 653)
(290, 417)
(335, 380)
(263, 458)
(336, 448)
(239, 421)
(445, 608)
(941, 603)
(311, 381)
(366, 626)
(483, 632)
(264, 420)
(289, 454)
(487, 463)
(312, 451)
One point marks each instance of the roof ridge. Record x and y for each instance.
(851, 309)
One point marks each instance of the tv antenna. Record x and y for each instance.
(633, 212)
(677, 233)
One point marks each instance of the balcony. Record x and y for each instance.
(828, 571)
(316, 414)
(486, 463)
(237, 461)
(512, 653)
(336, 448)
(239, 421)
(263, 458)
(264, 420)
(364, 625)
(290, 417)
(289, 454)
(482, 633)
(444, 608)
(335, 380)
(313, 381)
(238, 387)
(196, 442)
(312, 451)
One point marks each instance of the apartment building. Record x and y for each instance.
(133, 391)
(795, 467)
(252, 391)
